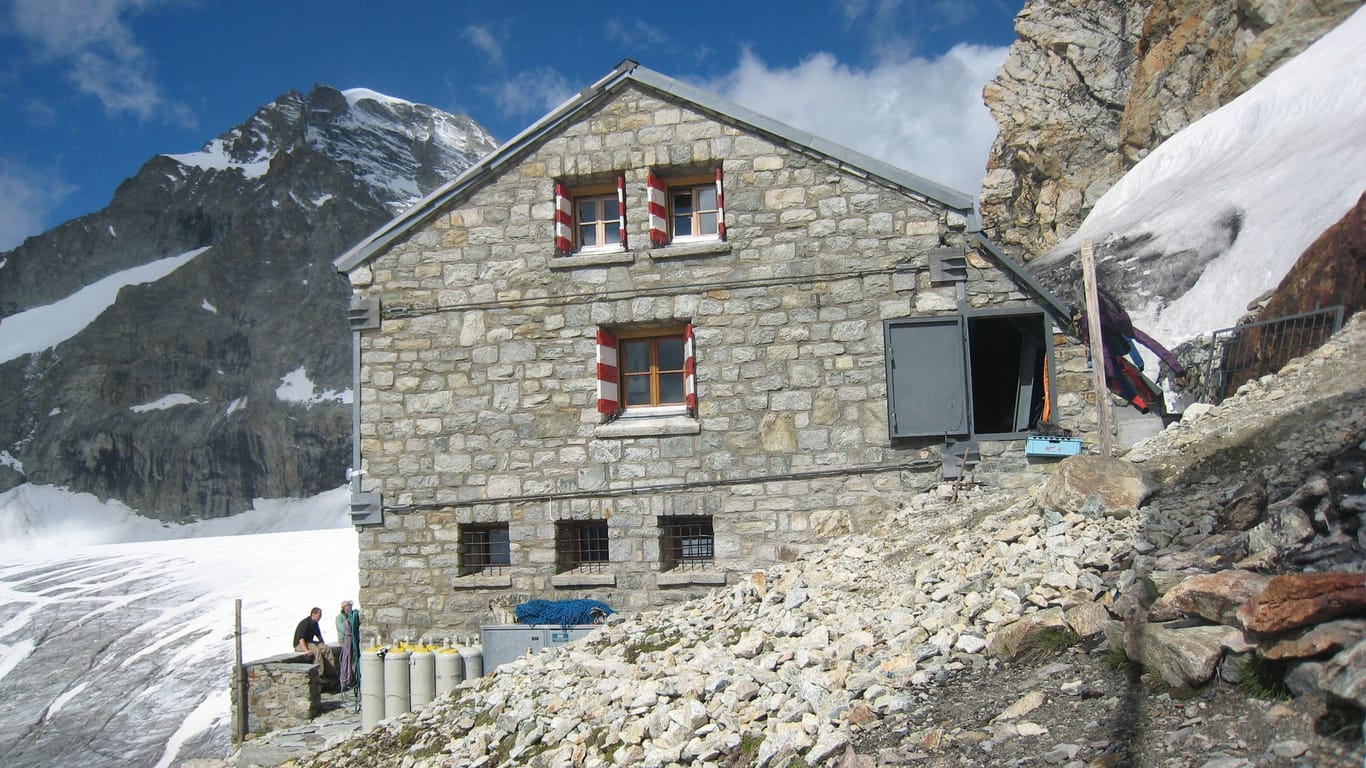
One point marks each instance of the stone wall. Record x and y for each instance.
(478, 395)
(282, 692)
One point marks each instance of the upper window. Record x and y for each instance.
(967, 375)
(686, 209)
(590, 218)
(597, 221)
(692, 211)
(484, 549)
(581, 545)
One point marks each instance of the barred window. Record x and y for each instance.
(686, 543)
(484, 549)
(581, 545)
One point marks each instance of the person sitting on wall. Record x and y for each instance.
(308, 639)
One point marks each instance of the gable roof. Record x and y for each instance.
(626, 73)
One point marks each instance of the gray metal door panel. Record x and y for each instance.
(1029, 353)
(927, 383)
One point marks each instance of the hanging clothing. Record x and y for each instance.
(349, 664)
(1119, 353)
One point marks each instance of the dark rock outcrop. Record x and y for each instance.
(228, 379)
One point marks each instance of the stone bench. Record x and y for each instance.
(281, 692)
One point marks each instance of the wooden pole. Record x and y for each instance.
(1088, 275)
(239, 676)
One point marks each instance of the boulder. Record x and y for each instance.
(1029, 633)
(1185, 657)
(1285, 526)
(1246, 508)
(1299, 599)
(1212, 596)
(1344, 676)
(1319, 640)
(1117, 486)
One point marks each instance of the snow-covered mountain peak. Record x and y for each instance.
(402, 148)
(398, 148)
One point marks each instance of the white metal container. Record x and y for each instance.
(473, 658)
(371, 689)
(422, 674)
(448, 670)
(396, 686)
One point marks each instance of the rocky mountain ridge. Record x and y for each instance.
(228, 379)
(1089, 88)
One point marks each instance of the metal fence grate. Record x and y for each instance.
(1246, 352)
(686, 543)
(484, 548)
(581, 546)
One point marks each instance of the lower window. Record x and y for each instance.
(581, 545)
(647, 372)
(652, 370)
(686, 543)
(484, 549)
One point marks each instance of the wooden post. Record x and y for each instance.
(1088, 275)
(239, 677)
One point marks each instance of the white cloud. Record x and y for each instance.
(27, 195)
(532, 93)
(635, 36)
(485, 42)
(923, 115)
(102, 57)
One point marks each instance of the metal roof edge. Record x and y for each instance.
(427, 206)
(952, 198)
(1062, 311)
(629, 70)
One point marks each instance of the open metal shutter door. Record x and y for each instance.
(927, 377)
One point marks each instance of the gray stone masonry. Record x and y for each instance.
(282, 692)
(478, 395)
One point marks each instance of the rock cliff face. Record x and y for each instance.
(1089, 88)
(227, 379)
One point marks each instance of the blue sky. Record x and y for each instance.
(92, 89)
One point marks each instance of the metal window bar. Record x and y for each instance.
(1245, 352)
(581, 546)
(687, 543)
(484, 549)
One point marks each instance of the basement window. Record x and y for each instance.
(484, 549)
(980, 375)
(686, 543)
(581, 545)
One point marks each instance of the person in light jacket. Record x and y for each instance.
(348, 632)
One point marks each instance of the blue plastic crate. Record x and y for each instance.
(1052, 446)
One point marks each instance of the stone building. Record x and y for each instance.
(656, 341)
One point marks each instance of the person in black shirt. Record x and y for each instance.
(308, 639)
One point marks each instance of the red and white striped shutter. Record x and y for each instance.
(621, 210)
(609, 401)
(659, 210)
(564, 220)
(720, 207)
(689, 371)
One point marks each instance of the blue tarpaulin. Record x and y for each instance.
(562, 612)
